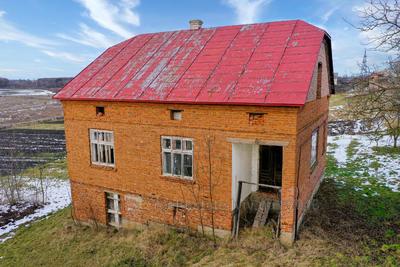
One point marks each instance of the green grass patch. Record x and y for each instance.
(43, 125)
(337, 100)
(53, 169)
(57, 241)
(386, 150)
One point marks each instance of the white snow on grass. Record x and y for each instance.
(57, 197)
(385, 167)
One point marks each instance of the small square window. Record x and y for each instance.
(256, 118)
(100, 111)
(176, 115)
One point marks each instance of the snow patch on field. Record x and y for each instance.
(386, 168)
(25, 92)
(57, 197)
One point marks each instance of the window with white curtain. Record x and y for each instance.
(102, 147)
(177, 156)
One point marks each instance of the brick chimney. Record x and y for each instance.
(195, 24)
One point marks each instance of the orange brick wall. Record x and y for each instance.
(137, 174)
(312, 116)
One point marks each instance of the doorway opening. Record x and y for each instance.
(270, 167)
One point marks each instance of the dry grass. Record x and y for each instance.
(332, 235)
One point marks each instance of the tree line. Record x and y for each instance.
(42, 83)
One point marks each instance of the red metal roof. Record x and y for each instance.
(257, 64)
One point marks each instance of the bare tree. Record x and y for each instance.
(380, 19)
(376, 100)
(213, 178)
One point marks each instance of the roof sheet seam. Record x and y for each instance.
(216, 65)
(280, 61)
(245, 66)
(169, 61)
(183, 74)
(147, 61)
(111, 59)
(134, 54)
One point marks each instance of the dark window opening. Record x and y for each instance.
(176, 115)
(100, 111)
(270, 168)
(319, 80)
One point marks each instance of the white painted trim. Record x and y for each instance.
(257, 142)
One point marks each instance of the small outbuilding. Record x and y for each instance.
(206, 128)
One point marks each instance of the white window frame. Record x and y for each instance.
(115, 211)
(183, 151)
(314, 147)
(107, 147)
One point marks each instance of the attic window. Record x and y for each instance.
(319, 80)
(176, 115)
(256, 118)
(100, 111)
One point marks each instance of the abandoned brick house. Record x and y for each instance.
(162, 127)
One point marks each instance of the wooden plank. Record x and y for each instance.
(262, 213)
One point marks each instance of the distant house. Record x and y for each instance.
(161, 128)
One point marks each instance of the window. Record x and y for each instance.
(113, 209)
(102, 147)
(100, 111)
(324, 138)
(256, 118)
(314, 147)
(176, 115)
(319, 80)
(177, 156)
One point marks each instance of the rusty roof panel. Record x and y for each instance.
(260, 64)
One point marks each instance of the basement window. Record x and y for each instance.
(314, 147)
(256, 118)
(177, 156)
(102, 147)
(113, 204)
(100, 111)
(176, 115)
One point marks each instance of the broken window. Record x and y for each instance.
(102, 147)
(177, 156)
(113, 204)
(176, 115)
(314, 147)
